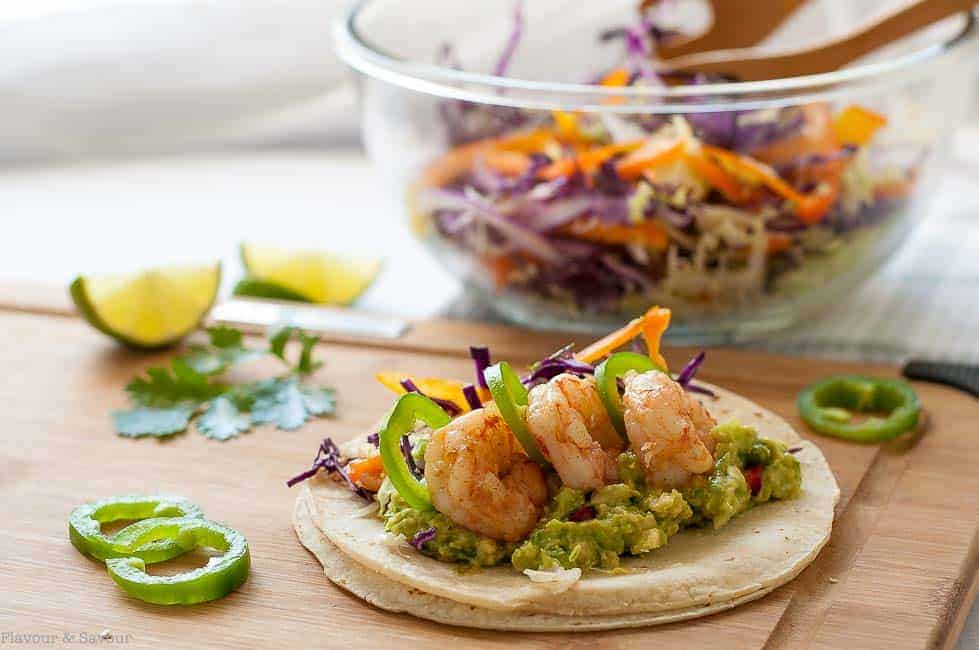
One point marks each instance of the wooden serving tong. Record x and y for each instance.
(731, 26)
(747, 65)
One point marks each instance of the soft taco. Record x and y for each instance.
(597, 491)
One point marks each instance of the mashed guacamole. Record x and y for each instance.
(595, 529)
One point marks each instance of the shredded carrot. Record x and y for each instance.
(446, 389)
(654, 324)
(651, 325)
(368, 469)
(525, 141)
(779, 242)
(632, 166)
(732, 189)
(646, 233)
(813, 207)
(500, 267)
(592, 159)
(857, 125)
(510, 163)
(452, 165)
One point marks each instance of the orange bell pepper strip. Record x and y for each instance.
(566, 126)
(732, 189)
(650, 325)
(811, 208)
(815, 137)
(367, 472)
(646, 233)
(857, 125)
(615, 78)
(632, 166)
(446, 389)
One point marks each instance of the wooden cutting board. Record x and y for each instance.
(899, 572)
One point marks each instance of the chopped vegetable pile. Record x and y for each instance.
(610, 212)
(583, 526)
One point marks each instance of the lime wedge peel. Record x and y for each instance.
(148, 309)
(318, 276)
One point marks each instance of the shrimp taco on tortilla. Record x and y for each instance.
(596, 491)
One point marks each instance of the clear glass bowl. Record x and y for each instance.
(567, 204)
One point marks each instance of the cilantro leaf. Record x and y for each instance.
(166, 398)
(180, 385)
(287, 404)
(278, 340)
(150, 421)
(223, 336)
(222, 420)
(319, 400)
(214, 361)
(306, 365)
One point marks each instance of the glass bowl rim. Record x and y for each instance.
(428, 78)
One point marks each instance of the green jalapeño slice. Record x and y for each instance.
(409, 409)
(219, 577)
(85, 526)
(607, 376)
(511, 398)
(828, 407)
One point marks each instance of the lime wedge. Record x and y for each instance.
(318, 276)
(252, 288)
(151, 308)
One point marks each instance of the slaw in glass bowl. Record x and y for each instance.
(577, 184)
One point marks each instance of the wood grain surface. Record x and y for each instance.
(899, 571)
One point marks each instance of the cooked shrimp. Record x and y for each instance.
(480, 477)
(669, 430)
(573, 431)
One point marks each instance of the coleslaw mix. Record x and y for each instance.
(609, 213)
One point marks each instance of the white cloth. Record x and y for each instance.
(159, 76)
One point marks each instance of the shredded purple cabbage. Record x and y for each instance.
(481, 357)
(422, 536)
(627, 272)
(551, 367)
(448, 406)
(472, 397)
(608, 181)
(328, 458)
(416, 471)
(375, 439)
(685, 378)
(512, 42)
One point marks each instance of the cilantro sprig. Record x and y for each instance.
(167, 398)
